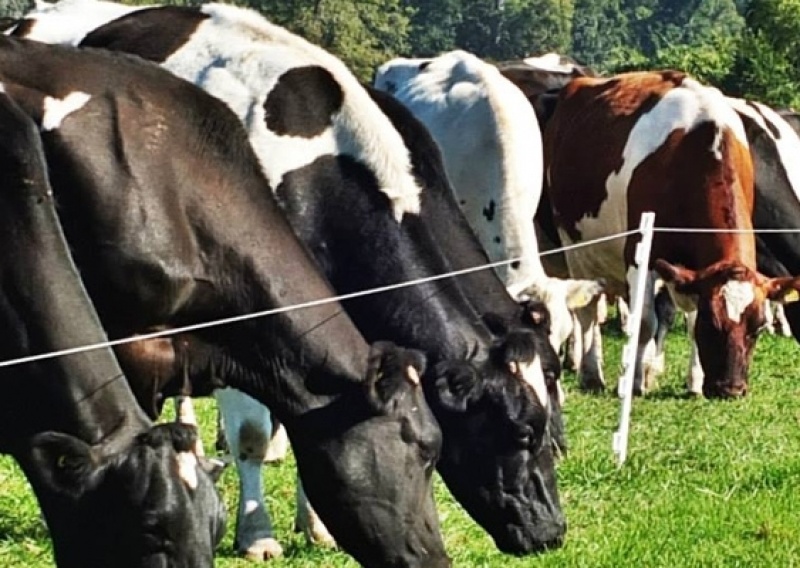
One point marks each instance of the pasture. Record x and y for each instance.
(706, 483)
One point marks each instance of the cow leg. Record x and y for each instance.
(623, 312)
(769, 317)
(591, 371)
(221, 444)
(573, 348)
(782, 323)
(247, 430)
(665, 310)
(694, 378)
(645, 372)
(307, 521)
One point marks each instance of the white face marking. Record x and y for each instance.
(56, 110)
(737, 296)
(533, 375)
(187, 468)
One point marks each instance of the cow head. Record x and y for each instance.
(385, 438)
(730, 315)
(562, 297)
(498, 435)
(151, 505)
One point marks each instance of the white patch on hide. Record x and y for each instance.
(255, 54)
(187, 468)
(56, 110)
(737, 296)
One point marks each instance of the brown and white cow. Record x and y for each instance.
(662, 142)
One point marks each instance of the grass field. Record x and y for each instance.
(706, 483)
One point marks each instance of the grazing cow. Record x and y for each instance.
(496, 171)
(674, 147)
(345, 161)
(172, 222)
(114, 491)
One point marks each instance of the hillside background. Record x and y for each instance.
(746, 47)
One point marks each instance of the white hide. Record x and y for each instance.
(492, 150)
(69, 21)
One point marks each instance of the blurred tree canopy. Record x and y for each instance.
(746, 47)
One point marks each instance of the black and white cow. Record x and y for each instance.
(775, 146)
(114, 491)
(492, 149)
(328, 148)
(172, 222)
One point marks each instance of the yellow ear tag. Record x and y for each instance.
(61, 462)
(790, 296)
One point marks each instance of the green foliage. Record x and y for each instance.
(14, 8)
(767, 65)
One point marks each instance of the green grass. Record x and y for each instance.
(706, 483)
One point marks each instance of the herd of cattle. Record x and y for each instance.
(243, 169)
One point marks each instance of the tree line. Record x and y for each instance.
(745, 47)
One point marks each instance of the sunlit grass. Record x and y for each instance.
(706, 483)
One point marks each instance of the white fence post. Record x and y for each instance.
(625, 389)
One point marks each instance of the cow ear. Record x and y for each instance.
(65, 464)
(682, 278)
(581, 292)
(390, 370)
(535, 313)
(784, 290)
(457, 385)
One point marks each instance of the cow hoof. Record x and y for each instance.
(263, 549)
(316, 534)
(592, 385)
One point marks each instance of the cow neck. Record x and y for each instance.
(352, 232)
(83, 394)
(259, 264)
